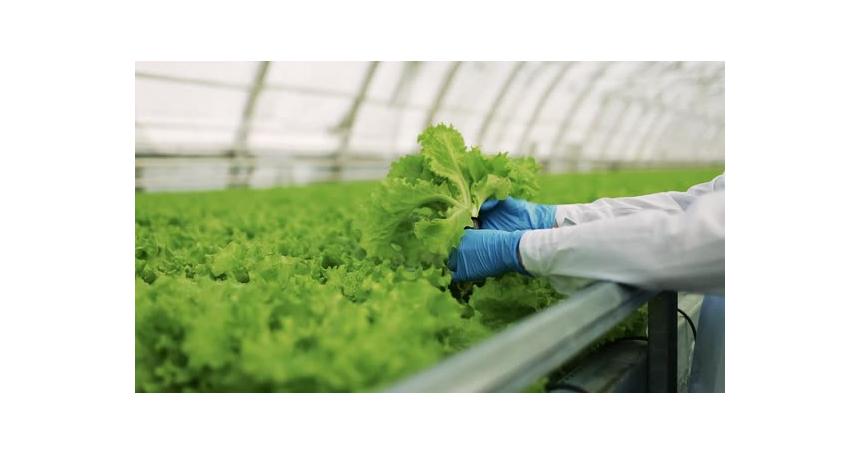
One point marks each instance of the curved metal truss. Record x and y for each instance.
(263, 123)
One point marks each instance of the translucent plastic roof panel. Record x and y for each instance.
(392, 127)
(237, 73)
(410, 125)
(293, 116)
(478, 87)
(508, 121)
(334, 77)
(177, 116)
(426, 84)
(377, 129)
(391, 82)
(296, 121)
(474, 88)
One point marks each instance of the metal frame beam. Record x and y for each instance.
(690, 113)
(345, 126)
(497, 100)
(651, 105)
(676, 116)
(240, 175)
(404, 83)
(615, 146)
(651, 115)
(240, 143)
(592, 131)
(190, 80)
(662, 121)
(637, 148)
(443, 90)
(538, 109)
(505, 120)
(587, 89)
(693, 108)
(276, 87)
(614, 132)
(659, 146)
(402, 90)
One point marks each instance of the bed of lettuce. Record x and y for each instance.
(326, 288)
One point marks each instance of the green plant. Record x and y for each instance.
(418, 213)
(273, 290)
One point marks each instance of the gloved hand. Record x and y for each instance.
(515, 214)
(484, 253)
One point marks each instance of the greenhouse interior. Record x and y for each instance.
(312, 226)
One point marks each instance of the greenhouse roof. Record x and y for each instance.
(346, 111)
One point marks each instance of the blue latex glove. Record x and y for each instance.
(484, 253)
(515, 215)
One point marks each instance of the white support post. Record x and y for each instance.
(240, 174)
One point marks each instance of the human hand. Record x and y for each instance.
(484, 253)
(513, 214)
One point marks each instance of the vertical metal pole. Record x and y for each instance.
(535, 115)
(443, 90)
(606, 105)
(502, 130)
(663, 343)
(651, 138)
(240, 170)
(497, 101)
(574, 109)
(610, 133)
(346, 125)
(638, 147)
(400, 98)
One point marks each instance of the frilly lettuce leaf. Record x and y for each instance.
(418, 213)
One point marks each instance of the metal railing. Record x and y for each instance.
(523, 353)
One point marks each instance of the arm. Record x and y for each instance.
(670, 201)
(653, 249)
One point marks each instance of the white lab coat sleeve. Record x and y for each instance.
(652, 249)
(669, 201)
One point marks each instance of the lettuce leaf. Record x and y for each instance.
(418, 213)
(270, 290)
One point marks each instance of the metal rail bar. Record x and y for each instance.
(523, 353)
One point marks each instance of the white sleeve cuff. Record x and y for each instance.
(530, 246)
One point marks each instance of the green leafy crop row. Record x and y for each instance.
(274, 290)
